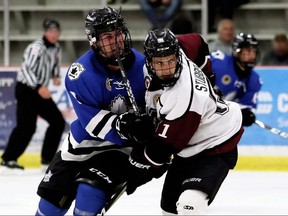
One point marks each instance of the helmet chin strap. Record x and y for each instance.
(243, 69)
(127, 58)
(241, 65)
(103, 59)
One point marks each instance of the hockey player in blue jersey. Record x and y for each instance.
(235, 75)
(93, 160)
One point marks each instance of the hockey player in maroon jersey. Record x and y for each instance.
(194, 125)
(196, 49)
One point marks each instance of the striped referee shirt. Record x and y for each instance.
(41, 62)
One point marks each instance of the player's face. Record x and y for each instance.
(106, 43)
(52, 35)
(164, 66)
(248, 54)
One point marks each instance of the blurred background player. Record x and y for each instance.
(235, 75)
(93, 160)
(41, 61)
(187, 127)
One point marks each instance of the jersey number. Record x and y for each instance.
(164, 132)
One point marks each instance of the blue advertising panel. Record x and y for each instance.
(7, 105)
(272, 108)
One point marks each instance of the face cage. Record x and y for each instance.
(124, 49)
(166, 82)
(247, 65)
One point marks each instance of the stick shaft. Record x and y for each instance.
(271, 129)
(123, 73)
(113, 199)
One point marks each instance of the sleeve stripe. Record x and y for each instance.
(99, 123)
(88, 146)
(106, 128)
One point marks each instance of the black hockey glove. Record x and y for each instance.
(136, 128)
(141, 171)
(248, 117)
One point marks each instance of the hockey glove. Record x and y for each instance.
(248, 117)
(140, 171)
(136, 128)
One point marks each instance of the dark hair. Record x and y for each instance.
(280, 38)
(50, 23)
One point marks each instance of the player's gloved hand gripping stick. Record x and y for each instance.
(131, 125)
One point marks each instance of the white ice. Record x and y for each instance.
(242, 193)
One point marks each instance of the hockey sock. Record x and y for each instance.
(89, 200)
(47, 208)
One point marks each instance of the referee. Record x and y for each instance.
(40, 64)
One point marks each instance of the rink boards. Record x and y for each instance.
(259, 163)
(259, 149)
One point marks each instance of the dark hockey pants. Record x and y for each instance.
(29, 106)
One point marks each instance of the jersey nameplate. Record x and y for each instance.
(75, 71)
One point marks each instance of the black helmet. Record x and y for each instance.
(159, 43)
(50, 23)
(241, 41)
(106, 20)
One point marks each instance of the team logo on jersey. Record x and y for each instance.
(226, 79)
(109, 84)
(47, 176)
(118, 105)
(75, 71)
(119, 85)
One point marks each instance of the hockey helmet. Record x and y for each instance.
(50, 23)
(160, 43)
(241, 41)
(103, 20)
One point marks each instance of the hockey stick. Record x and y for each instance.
(123, 73)
(122, 188)
(271, 129)
(118, 193)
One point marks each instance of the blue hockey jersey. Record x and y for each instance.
(243, 91)
(97, 97)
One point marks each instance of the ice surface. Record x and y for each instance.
(242, 193)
